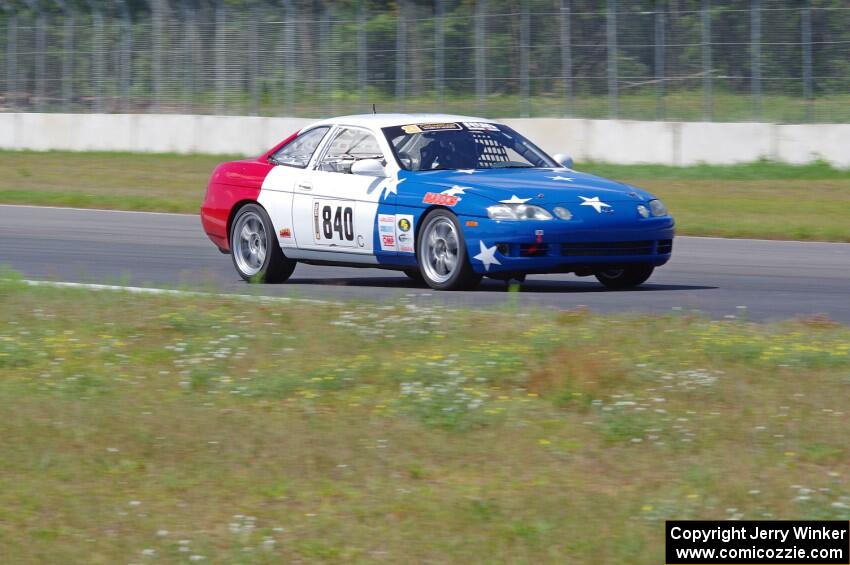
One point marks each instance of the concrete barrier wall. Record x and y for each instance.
(613, 141)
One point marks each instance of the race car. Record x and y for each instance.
(445, 199)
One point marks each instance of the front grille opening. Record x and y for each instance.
(606, 248)
(533, 249)
(665, 246)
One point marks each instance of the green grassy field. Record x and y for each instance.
(763, 200)
(167, 429)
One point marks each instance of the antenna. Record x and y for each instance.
(373, 108)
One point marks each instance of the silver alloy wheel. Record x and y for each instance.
(249, 245)
(440, 247)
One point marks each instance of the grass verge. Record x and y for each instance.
(139, 427)
(762, 200)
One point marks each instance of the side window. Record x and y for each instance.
(297, 153)
(348, 146)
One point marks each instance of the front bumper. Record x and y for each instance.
(555, 246)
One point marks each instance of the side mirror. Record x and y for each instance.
(564, 160)
(369, 168)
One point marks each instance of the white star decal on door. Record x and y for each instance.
(559, 177)
(455, 190)
(487, 255)
(595, 202)
(514, 199)
(391, 186)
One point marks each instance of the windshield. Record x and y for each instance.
(463, 145)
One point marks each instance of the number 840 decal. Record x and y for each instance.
(333, 222)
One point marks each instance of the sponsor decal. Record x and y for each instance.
(386, 229)
(404, 233)
(538, 235)
(419, 128)
(316, 228)
(285, 232)
(441, 199)
(480, 126)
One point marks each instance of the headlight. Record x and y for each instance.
(517, 212)
(643, 211)
(562, 213)
(658, 208)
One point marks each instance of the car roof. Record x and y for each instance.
(375, 121)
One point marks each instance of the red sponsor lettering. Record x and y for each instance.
(441, 199)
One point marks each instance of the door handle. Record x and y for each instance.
(305, 186)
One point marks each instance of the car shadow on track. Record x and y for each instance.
(541, 286)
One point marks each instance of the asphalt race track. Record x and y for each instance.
(720, 277)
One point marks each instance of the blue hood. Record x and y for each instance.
(544, 186)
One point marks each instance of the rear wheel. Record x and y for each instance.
(441, 252)
(625, 277)
(254, 248)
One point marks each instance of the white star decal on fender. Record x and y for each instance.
(391, 186)
(455, 190)
(559, 177)
(595, 202)
(514, 199)
(487, 255)
(466, 171)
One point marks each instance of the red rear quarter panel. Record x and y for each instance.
(232, 184)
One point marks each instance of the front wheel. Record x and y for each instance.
(441, 252)
(626, 277)
(254, 248)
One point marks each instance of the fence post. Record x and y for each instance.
(707, 103)
(12, 58)
(40, 47)
(126, 57)
(325, 53)
(439, 52)
(806, 25)
(362, 52)
(67, 54)
(613, 102)
(400, 57)
(524, 39)
(254, 58)
(156, 53)
(219, 57)
(289, 57)
(755, 47)
(566, 57)
(188, 56)
(660, 110)
(480, 55)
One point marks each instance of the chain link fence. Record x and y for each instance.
(734, 60)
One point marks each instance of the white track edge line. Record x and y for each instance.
(172, 292)
(99, 210)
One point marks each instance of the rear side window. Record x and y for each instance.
(297, 153)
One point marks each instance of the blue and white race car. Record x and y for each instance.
(446, 199)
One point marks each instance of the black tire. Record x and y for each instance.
(626, 277)
(268, 266)
(414, 275)
(461, 276)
